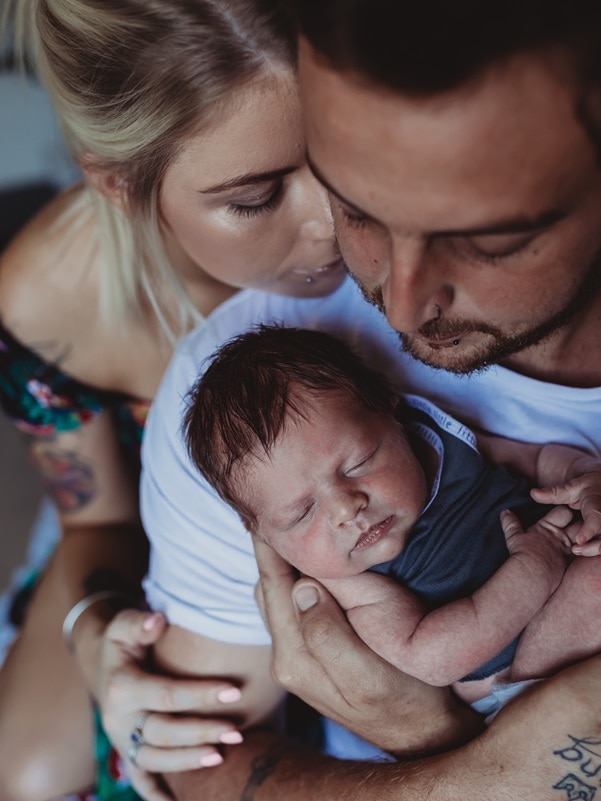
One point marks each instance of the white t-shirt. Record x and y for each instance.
(202, 569)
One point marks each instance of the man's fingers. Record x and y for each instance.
(326, 632)
(277, 580)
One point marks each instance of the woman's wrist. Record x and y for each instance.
(85, 626)
(117, 599)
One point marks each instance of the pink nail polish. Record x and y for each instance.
(231, 738)
(211, 760)
(229, 695)
(152, 621)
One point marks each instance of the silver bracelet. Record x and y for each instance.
(80, 607)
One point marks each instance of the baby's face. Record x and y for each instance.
(339, 492)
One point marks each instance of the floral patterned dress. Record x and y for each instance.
(41, 400)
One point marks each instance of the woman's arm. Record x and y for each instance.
(104, 548)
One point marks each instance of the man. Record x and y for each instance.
(459, 145)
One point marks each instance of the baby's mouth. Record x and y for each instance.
(373, 534)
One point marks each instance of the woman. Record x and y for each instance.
(184, 117)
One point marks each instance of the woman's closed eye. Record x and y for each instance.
(259, 201)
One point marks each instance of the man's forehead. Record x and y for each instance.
(512, 136)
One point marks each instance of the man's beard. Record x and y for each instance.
(499, 346)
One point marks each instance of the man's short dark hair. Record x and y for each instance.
(255, 382)
(431, 46)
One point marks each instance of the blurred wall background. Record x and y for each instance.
(34, 166)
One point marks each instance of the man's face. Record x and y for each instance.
(473, 218)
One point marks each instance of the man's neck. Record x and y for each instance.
(571, 356)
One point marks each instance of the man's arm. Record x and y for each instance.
(268, 764)
(545, 745)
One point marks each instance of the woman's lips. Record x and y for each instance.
(373, 534)
(325, 271)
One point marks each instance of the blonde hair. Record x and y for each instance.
(131, 81)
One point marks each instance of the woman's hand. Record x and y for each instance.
(164, 714)
(318, 657)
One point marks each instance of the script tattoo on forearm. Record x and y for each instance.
(583, 780)
(262, 768)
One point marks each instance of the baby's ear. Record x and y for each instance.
(109, 182)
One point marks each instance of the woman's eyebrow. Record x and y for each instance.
(248, 179)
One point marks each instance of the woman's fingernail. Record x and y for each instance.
(229, 695)
(211, 760)
(151, 621)
(306, 596)
(231, 738)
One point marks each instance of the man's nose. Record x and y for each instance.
(416, 289)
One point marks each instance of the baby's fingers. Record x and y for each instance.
(590, 510)
(510, 523)
(590, 548)
(561, 494)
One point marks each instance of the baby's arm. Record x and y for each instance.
(443, 645)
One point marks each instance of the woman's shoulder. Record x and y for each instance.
(46, 272)
(50, 304)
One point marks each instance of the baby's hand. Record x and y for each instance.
(545, 542)
(583, 494)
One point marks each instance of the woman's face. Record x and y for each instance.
(239, 203)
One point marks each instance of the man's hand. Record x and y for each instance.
(318, 656)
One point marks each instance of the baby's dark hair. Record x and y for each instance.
(240, 405)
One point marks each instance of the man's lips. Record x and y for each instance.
(373, 534)
(442, 341)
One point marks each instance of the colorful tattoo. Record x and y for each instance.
(584, 779)
(67, 479)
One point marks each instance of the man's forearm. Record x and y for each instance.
(545, 745)
(270, 767)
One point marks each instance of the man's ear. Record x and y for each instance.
(108, 182)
